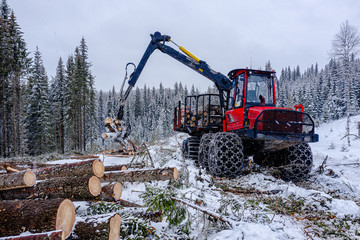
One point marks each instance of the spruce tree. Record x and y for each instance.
(58, 106)
(38, 115)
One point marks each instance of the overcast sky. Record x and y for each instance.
(226, 34)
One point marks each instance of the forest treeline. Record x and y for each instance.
(66, 113)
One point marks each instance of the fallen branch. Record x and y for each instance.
(357, 137)
(321, 168)
(346, 164)
(211, 214)
(250, 191)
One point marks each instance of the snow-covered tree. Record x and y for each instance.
(38, 115)
(345, 45)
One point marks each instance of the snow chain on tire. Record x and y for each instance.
(226, 157)
(297, 163)
(204, 150)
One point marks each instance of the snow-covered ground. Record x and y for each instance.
(258, 205)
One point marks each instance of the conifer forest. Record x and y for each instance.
(42, 114)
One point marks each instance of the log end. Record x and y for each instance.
(98, 168)
(123, 168)
(65, 218)
(115, 222)
(117, 191)
(104, 136)
(29, 178)
(175, 173)
(94, 186)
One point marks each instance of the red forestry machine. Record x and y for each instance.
(238, 125)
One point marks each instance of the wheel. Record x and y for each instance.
(190, 148)
(297, 162)
(204, 148)
(226, 157)
(185, 148)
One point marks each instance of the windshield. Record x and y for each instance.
(260, 84)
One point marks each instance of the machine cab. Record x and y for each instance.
(251, 88)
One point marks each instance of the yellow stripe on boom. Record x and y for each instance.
(189, 54)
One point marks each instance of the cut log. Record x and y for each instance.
(145, 175)
(10, 169)
(75, 188)
(112, 190)
(24, 165)
(122, 167)
(85, 157)
(53, 235)
(39, 215)
(105, 226)
(17, 180)
(91, 167)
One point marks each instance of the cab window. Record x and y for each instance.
(240, 90)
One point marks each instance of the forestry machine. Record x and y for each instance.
(237, 127)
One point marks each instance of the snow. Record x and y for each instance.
(326, 200)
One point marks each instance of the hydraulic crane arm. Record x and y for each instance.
(158, 41)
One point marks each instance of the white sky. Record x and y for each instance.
(227, 34)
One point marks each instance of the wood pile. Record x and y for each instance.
(38, 200)
(210, 114)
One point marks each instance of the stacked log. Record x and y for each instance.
(75, 181)
(36, 216)
(105, 226)
(75, 188)
(16, 180)
(91, 167)
(33, 200)
(53, 235)
(143, 175)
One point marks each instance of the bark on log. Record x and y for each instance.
(145, 175)
(17, 180)
(11, 169)
(123, 167)
(75, 188)
(39, 215)
(53, 235)
(111, 190)
(85, 157)
(105, 226)
(91, 167)
(24, 165)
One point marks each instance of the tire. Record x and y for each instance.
(204, 150)
(297, 163)
(190, 148)
(185, 147)
(226, 157)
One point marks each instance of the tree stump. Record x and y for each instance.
(39, 215)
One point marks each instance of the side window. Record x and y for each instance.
(231, 98)
(240, 91)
